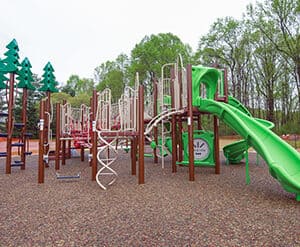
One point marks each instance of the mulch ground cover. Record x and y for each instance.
(168, 210)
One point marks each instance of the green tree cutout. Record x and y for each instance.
(25, 75)
(3, 78)
(12, 57)
(48, 81)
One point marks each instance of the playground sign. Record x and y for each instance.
(201, 149)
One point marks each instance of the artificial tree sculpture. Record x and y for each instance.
(11, 62)
(3, 78)
(25, 79)
(49, 86)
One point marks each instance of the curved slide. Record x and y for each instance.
(282, 159)
(235, 152)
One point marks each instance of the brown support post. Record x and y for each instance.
(155, 130)
(133, 155)
(94, 136)
(82, 153)
(24, 120)
(63, 152)
(141, 136)
(57, 140)
(69, 150)
(41, 169)
(10, 123)
(217, 146)
(190, 124)
(199, 126)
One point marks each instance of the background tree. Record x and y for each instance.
(113, 75)
(226, 45)
(76, 85)
(153, 51)
(284, 14)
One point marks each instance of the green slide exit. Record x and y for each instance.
(282, 159)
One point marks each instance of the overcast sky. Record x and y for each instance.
(78, 35)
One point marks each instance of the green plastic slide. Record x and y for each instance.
(282, 159)
(235, 152)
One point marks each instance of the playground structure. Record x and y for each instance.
(180, 97)
(170, 122)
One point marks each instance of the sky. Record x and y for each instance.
(76, 36)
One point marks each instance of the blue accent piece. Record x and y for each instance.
(17, 163)
(58, 176)
(19, 125)
(3, 154)
(17, 144)
(3, 134)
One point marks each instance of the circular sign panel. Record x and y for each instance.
(201, 149)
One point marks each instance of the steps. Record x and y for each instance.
(3, 154)
(17, 144)
(17, 163)
(3, 134)
(3, 114)
(19, 125)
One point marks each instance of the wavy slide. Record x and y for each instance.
(235, 152)
(282, 159)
